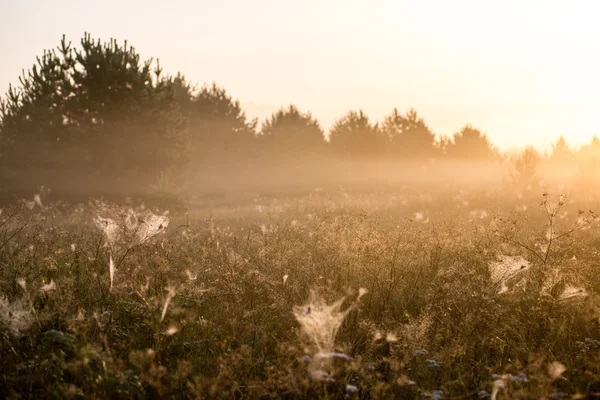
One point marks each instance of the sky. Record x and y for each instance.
(522, 72)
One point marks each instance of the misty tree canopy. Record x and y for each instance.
(289, 131)
(97, 115)
(218, 127)
(470, 143)
(408, 134)
(355, 136)
(561, 151)
(97, 110)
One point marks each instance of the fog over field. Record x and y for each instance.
(158, 240)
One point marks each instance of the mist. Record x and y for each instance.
(156, 242)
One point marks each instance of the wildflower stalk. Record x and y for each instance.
(551, 212)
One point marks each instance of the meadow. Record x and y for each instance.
(433, 291)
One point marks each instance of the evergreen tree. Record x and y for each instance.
(561, 151)
(471, 144)
(408, 134)
(97, 113)
(590, 151)
(292, 133)
(354, 136)
(220, 132)
(526, 164)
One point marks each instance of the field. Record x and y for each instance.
(395, 291)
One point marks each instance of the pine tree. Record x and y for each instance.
(94, 113)
(471, 144)
(290, 133)
(354, 136)
(409, 136)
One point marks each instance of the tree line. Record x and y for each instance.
(98, 112)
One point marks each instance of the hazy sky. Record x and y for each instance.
(523, 72)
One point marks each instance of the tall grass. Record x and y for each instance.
(329, 295)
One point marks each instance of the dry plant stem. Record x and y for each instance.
(134, 246)
(513, 241)
(12, 236)
(551, 213)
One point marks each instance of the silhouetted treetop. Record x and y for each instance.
(95, 107)
(221, 136)
(590, 151)
(408, 134)
(471, 144)
(561, 151)
(290, 130)
(354, 135)
(216, 117)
